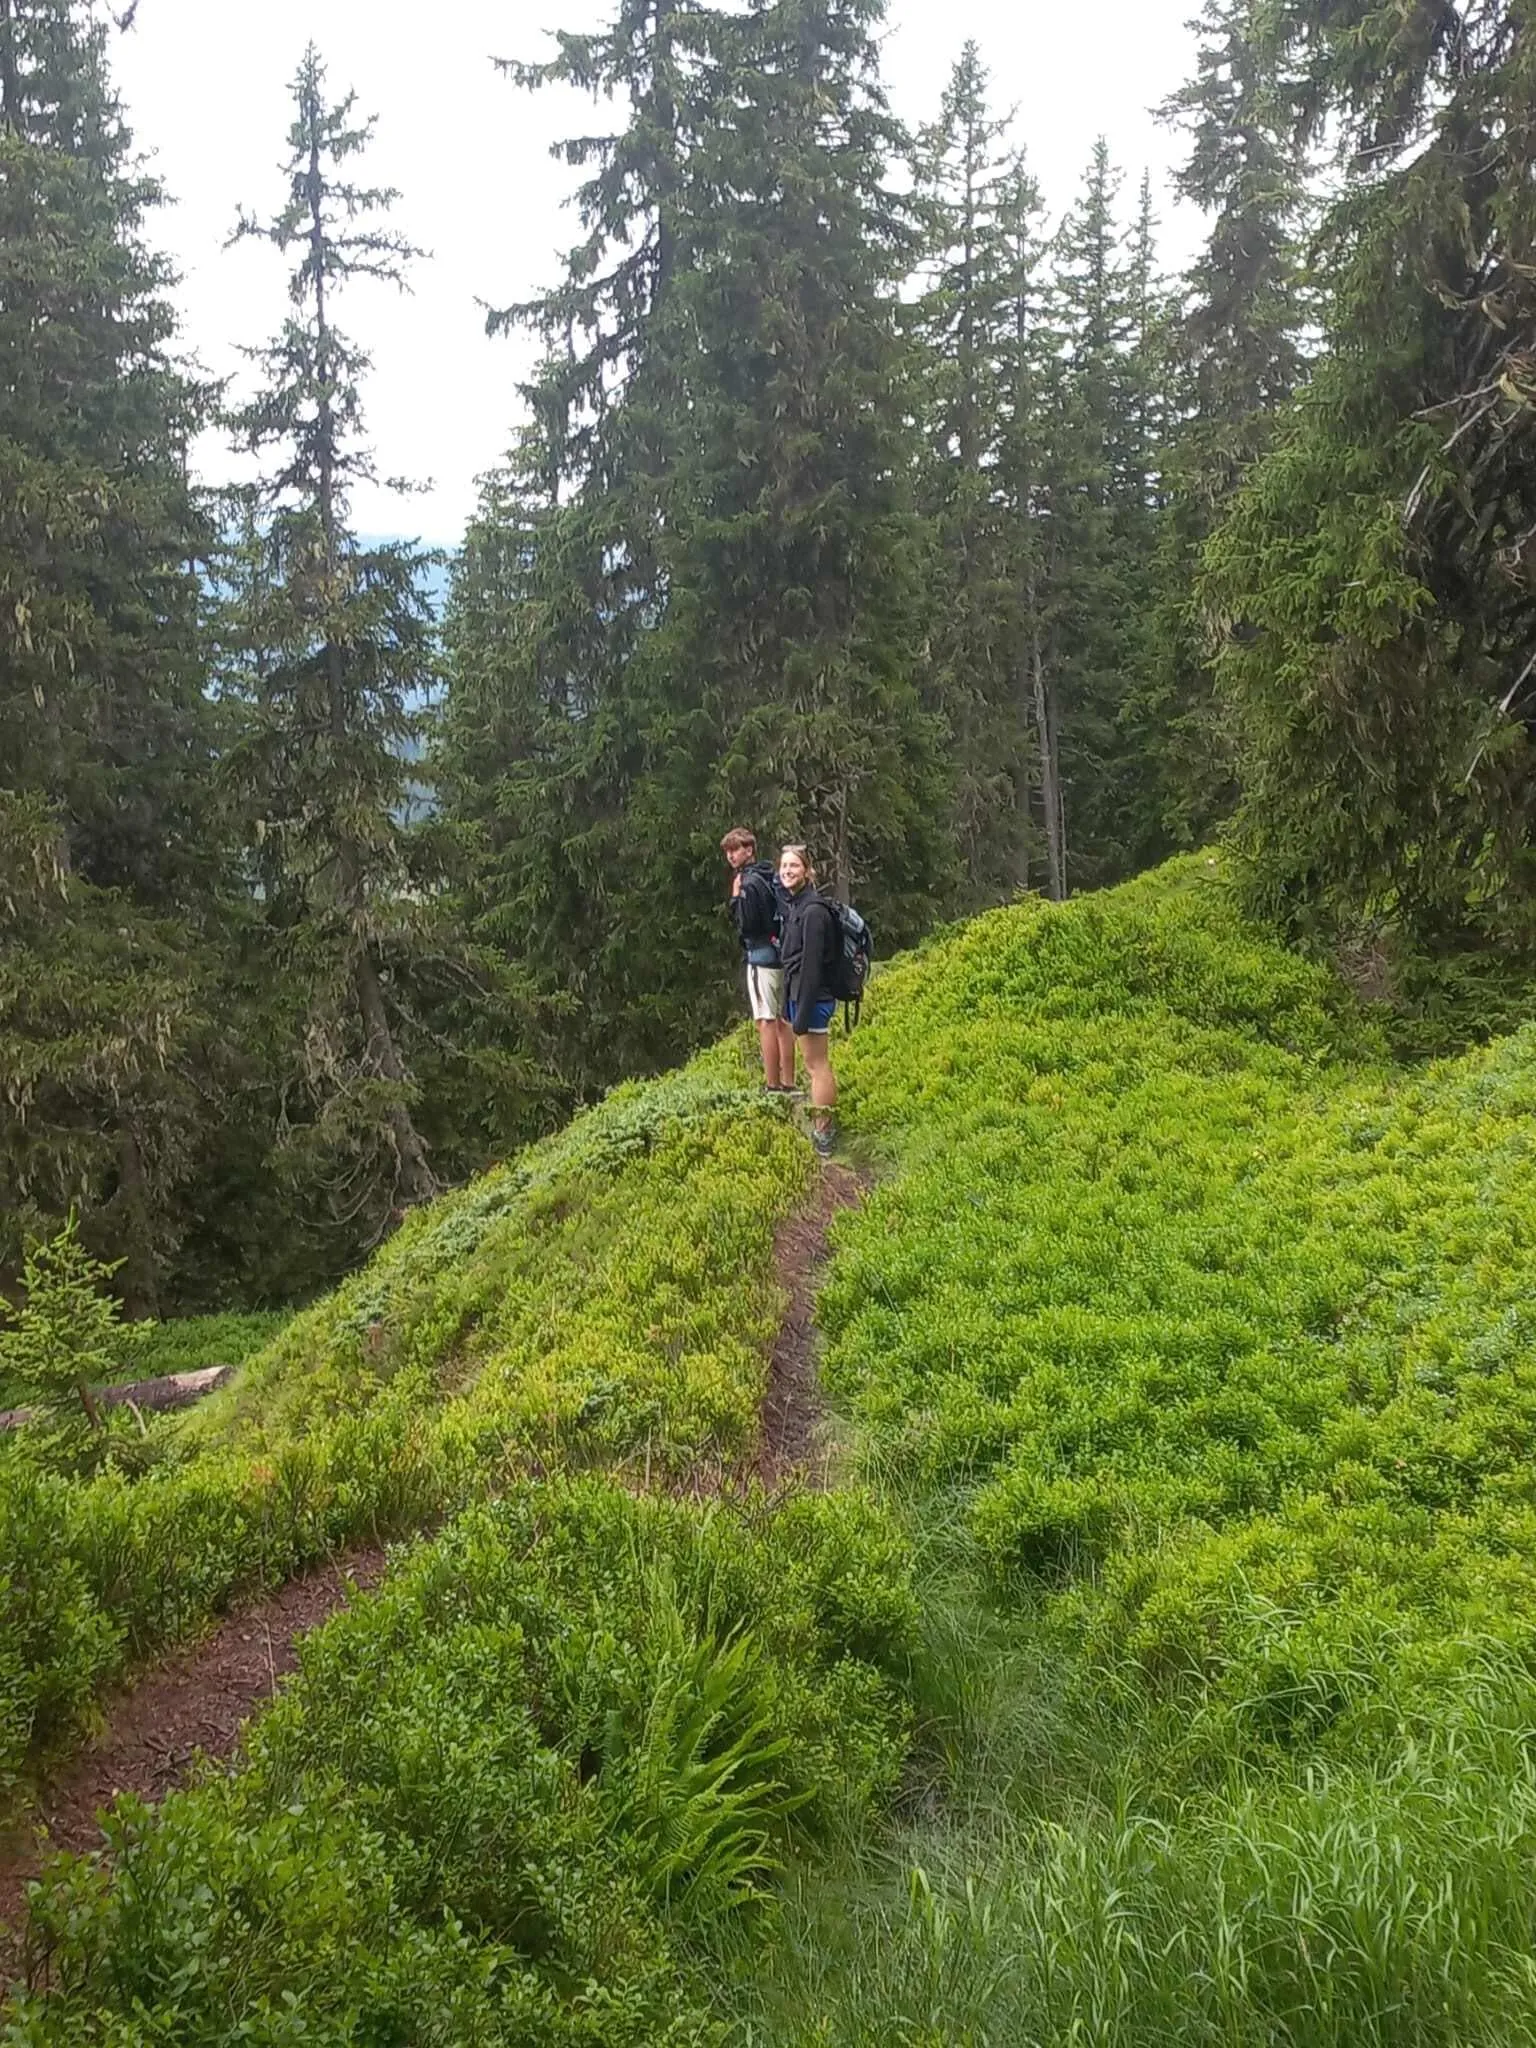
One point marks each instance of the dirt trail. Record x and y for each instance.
(793, 1442)
(196, 1701)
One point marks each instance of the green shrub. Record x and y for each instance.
(570, 1734)
(1208, 1319)
(607, 1298)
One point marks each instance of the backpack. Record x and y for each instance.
(850, 962)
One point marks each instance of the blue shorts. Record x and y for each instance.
(820, 1018)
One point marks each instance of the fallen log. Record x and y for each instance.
(167, 1391)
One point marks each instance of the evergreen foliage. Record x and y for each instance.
(329, 647)
(114, 860)
(1373, 574)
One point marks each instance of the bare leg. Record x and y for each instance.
(818, 1059)
(768, 1038)
(786, 1053)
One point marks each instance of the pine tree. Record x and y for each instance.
(1237, 357)
(1027, 382)
(802, 606)
(330, 646)
(693, 595)
(1091, 574)
(973, 320)
(113, 856)
(1375, 571)
(569, 749)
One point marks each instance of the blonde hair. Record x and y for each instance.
(804, 854)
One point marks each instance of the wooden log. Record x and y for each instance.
(170, 1390)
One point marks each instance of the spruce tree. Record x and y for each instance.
(570, 750)
(800, 604)
(115, 861)
(1091, 576)
(1374, 572)
(973, 320)
(1027, 386)
(330, 647)
(693, 595)
(1236, 357)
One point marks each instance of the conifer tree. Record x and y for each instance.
(693, 594)
(803, 606)
(114, 860)
(1028, 386)
(330, 646)
(1237, 357)
(569, 748)
(1091, 575)
(973, 320)
(1375, 570)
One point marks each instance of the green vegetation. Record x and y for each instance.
(606, 1296)
(1196, 1339)
(1182, 1685)
(570, 1735)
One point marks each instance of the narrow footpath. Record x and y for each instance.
(196, 1702)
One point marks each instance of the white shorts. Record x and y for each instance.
(765, 992)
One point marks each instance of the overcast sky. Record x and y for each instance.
(204, 85)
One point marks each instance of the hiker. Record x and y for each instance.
(810, 946)
(757, 909)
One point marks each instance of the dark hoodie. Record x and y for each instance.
(755, 913)
(809, 948)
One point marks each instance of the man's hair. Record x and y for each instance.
(739, 836)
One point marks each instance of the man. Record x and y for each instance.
(757, 912)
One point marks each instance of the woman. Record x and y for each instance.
(809, 950)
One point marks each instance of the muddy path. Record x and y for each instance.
(793, 1441)
(195, 1702)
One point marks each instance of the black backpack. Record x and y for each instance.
(854, 951)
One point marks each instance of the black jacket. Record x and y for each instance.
(809, 946)
(755, 909)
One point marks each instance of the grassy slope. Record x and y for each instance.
(605, 1296)
(580, 1725)
(1198, 1344)
(1189, 1341)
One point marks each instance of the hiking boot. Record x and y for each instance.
(823, 1140)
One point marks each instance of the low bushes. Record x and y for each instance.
(606, 1296)
(1218, 1326)
(507, 1795)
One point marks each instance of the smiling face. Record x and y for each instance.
(793, 870)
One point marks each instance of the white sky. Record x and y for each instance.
(204, 85)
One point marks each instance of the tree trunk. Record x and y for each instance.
(10, 83)
(415, 1181)
(140, 1288)
(1050, 779)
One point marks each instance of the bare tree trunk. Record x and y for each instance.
(416, 1181)
(1050, 780)
(841, 863)
(10, 83)
(140, 1290)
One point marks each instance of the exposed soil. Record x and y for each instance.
(196, 1702)
(793, 1440)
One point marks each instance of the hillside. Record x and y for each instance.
(1158, 1666)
